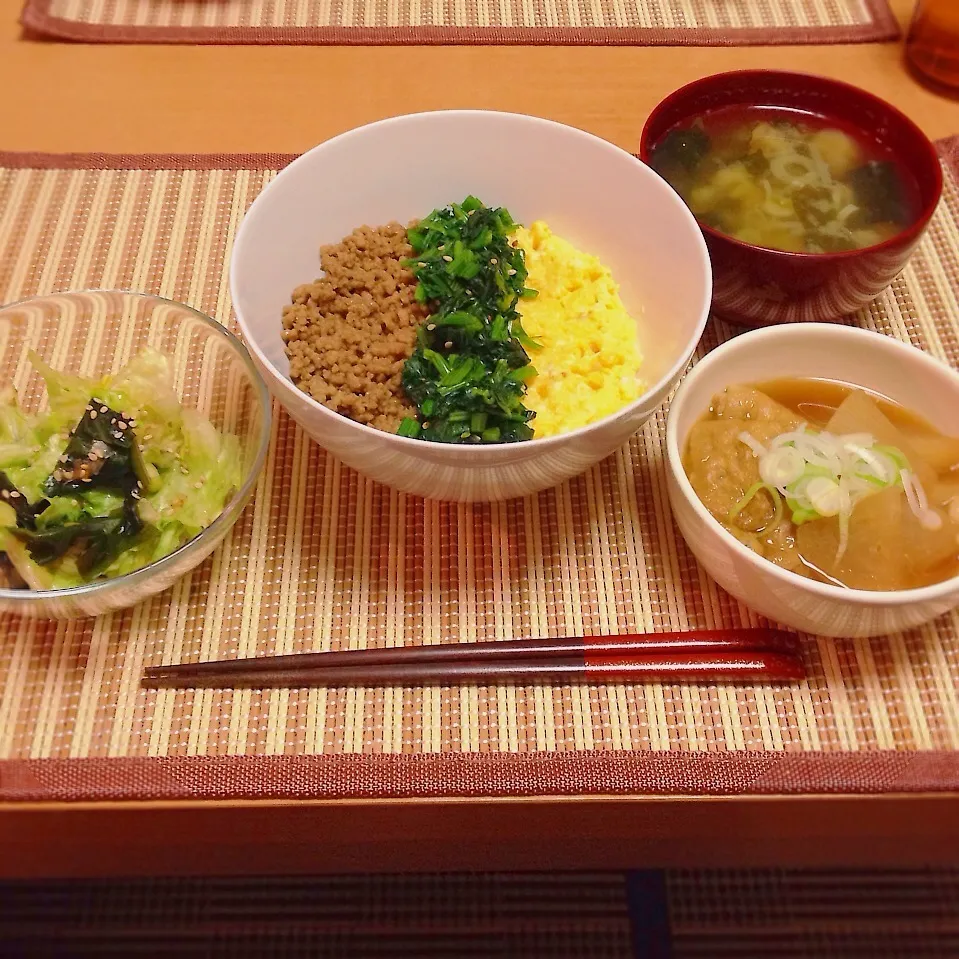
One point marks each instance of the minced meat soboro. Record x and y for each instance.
(349, 334)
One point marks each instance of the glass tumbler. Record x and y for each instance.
(932, 45)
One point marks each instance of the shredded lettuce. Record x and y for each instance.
(115, 474)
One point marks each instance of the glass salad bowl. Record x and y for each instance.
(207, 379)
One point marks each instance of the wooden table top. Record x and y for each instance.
(137, 99)
(175, 99)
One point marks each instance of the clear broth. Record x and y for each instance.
(817, 400)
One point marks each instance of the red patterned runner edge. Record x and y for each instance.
(475, 775)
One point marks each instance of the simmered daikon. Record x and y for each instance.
(831, 483)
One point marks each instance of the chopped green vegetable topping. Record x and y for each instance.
(467, 375)
(409, 427)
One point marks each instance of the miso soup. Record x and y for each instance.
(830, 483)
(787, 180)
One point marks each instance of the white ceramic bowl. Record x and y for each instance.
(852, 356)
(591, 192)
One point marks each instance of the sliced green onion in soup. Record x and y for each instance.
(916, 497)
(782, 466)
(750, 495)
(821, 475)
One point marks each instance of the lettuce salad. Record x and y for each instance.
(113, 476)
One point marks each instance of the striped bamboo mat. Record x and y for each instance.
(633, 22)
(325, 559)
(719, 914)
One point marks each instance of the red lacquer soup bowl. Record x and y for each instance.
(758, 286)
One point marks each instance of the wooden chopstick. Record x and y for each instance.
(706, 640)
(674, 667)
(568, 654)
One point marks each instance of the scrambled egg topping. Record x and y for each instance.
(589, 362)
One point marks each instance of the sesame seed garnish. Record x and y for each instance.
(93, 414)
(431, 326)
(448, 345)
(448, 258)
(104, 409)
(87, 479)
(512, 272)
(135, 494)
(122, 425)
(14, 494)
(493, 261)
(426, 426)
(64, 458)
(5, 493)
(198, 485)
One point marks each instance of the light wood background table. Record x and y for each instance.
(175, 99)
(132, 99)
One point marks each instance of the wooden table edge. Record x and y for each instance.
(260, 837)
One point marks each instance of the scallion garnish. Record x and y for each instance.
(821, 475)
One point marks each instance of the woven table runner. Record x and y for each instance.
(623, 22)
(324, 558)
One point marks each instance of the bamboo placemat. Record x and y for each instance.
(324, 558)
(625, 22)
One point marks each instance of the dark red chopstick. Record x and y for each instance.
(679, 667)
(705, 640)
(710, 654)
